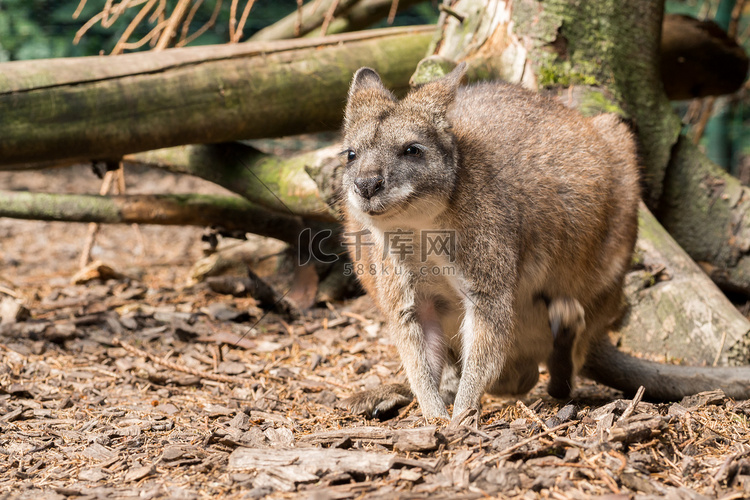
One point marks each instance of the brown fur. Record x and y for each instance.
(542, 203)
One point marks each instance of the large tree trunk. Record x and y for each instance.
(708, 212)
(104, 107)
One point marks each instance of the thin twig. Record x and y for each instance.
(79, 9)
(154, 33)
(533, 416)
(452, 13)
(83, 29)
(241, 25)
(178, 14)
(132, 26)
(158, 13)
(298, 21)
(8, 291)
(633, 403)
(232, 18)
(734, 22)
(94, 226)
(509, 451)
(708, 107)
(189, 19)
(355, 316)
(392, 12)
(329, 17)
(109, 16)
(203, 28)
(406, 410)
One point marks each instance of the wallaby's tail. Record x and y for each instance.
(609, 366)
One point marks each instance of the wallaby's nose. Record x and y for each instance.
(367, 187)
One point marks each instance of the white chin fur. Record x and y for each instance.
(418, 214)
(395, 198)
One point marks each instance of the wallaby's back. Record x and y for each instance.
(567, 186)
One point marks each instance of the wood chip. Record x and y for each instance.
(312, 460)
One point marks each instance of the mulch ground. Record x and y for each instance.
(144, 387)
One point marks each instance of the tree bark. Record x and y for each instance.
(708, 212)
(104, 107)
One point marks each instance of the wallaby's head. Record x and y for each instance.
(400, 156)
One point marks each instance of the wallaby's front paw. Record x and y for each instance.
(381, 403)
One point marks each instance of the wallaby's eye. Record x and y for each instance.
(347, 156)
(413, 150)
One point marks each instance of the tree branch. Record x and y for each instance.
(363, 15)
(313, 15)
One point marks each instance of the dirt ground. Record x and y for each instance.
(145, 387)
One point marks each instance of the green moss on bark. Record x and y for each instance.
(614, 45)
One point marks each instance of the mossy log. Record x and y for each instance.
(674, 308)
(229, 212)
(104, 107)
(281, 185)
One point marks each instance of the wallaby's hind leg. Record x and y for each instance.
(567, 322)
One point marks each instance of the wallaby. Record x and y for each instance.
(494, 227)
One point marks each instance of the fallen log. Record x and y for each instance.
(674, 308)
(78, 109)
(229, 212)
(281, 185)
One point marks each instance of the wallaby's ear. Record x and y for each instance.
(367, 97)
(436, 96)
(366, 78)
(454, 78)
